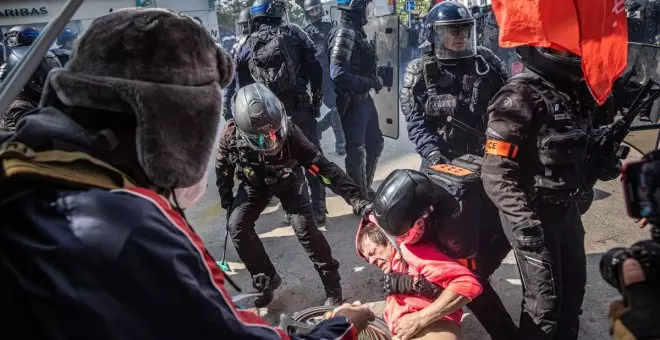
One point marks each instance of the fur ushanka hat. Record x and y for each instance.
(165, 69)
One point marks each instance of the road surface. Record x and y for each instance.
(606, 224)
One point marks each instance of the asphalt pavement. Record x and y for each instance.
(606, 224)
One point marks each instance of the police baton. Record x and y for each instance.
(20, 75)
(467, 128)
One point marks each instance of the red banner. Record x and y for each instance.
(595, 30)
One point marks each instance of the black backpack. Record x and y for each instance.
(273, 59)
(459, 232)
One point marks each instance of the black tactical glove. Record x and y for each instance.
(317, 101)
(436, 157)
(528, 236)
(363, 208)
(226, 199)
(397, 283)
(377, 83)
(427, 289)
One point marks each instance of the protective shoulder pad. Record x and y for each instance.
(494, 61)
(414, 73)
(342, 44)
(412, 80)
(299, 33)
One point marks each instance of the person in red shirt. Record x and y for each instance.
(421, 271)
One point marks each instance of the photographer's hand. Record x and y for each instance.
(638, 319)
(642, 222)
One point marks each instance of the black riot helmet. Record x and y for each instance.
(21, 36)
(358, 11)
(35, 85)
(404, 197)
(267, 9)
(313, 10)
(552, 64)
(261, 119)
(451, 29)
(243, 22)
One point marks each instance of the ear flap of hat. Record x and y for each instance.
(170, 154)
(225, 67)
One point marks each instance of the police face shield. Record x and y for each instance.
(269, 141)
(314, 13)
(452, 40)
(563, 57)
(369, 11)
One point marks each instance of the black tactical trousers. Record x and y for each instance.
(553, 277)
(251, 202)
(488, 307)
(307, 123)
(364, 141)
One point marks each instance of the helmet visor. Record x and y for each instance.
(564, 57)
(314, 11)
(454, 40)
(270, 140)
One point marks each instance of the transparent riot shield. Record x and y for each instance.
(489, 39)
(645, 58)
(383, 32)
(334, 14)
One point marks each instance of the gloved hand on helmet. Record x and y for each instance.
(436, 157)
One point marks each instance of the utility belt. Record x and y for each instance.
(296, 101)
(272, 179)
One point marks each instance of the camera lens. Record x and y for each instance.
(609, 266)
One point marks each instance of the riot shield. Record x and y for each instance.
(645, 58)
(489, 39)
(383, 32)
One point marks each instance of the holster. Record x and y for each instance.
(296, 101)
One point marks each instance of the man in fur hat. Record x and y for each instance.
(90, 245)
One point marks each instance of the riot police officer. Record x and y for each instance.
(65, 45)
(352, 61)
(454, 79)
(318, 30)
(242, 31)
(464, 226)
(534, 164)
(282, 57)
(19, 39)
(266, 151)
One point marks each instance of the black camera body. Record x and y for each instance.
(646, 252)
(641, 186)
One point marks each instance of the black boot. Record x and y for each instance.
(370, 169)
(333, 297)
(266, 285)
(355, 167)
(319, 217)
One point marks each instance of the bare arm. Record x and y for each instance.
(448, 302)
